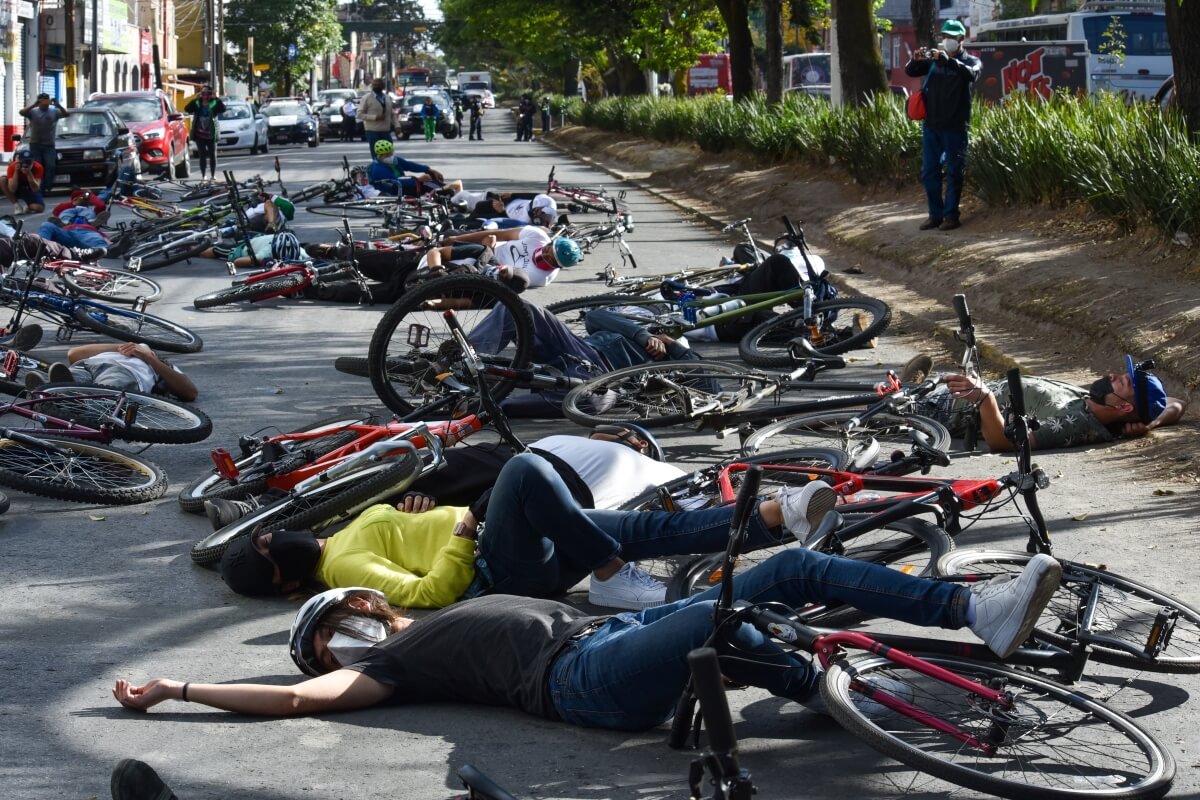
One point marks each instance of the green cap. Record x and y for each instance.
(953, 27)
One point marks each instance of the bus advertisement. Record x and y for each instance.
(711, 74)
(1039, 68)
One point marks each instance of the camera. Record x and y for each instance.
(929, 52)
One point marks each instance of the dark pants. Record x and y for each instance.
(206, 151)
(31, 246)
(477, 127)
(545, 122)
(349, 125)
(47, 156)
(938, 148)
(775, 274)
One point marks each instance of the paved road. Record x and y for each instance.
(93, 594)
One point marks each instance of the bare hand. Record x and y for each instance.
(416, 503)
(1135, 430)
(966, 387)
(134, 350)
(145, 697)
(656, 346)
(437, 176)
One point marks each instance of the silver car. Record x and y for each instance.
(241, 127)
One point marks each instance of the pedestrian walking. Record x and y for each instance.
(205, 109)
(40, 135)
(430, 114)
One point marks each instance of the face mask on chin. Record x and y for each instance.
(950, 45)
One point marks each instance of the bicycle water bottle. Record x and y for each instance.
(689, 312)
(728, 305)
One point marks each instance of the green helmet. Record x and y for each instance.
(285, 207)
(383, 148)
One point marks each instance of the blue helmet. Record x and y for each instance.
(567, 252)
(286, 247)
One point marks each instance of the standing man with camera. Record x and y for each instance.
(951, 74)
(43, 115)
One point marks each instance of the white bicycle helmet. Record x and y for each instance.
(300, 643)
(286, 247)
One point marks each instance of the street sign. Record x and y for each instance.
(261, 67)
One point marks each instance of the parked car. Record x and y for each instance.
(408, 114)
(330, 114)
(161, 130)
(93, 145)
(290, 119)
(481, 90)
(240, 126)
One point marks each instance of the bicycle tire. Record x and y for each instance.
(164, 255)
(405, 376)
(311, 191)
(150, 210)
(353, 365)
(767, 344)
(1125, 610)
(137, 326)
(157, 420)
(209, 549)
(108, 283)
(592, 205)
(212, 486)
(1056, 743)
(88, 473)
(573, 312)
(823, 429)
(365, 492)
(912, 546)
(660, 394)
(251, 292)
(349, 211)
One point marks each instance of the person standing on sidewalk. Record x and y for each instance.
(951, 74)
(544, 107)
(40, 131)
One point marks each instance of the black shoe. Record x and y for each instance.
(137, 780)
(60, 373)
(89, 253)
(949, 224)
(226, 512)
(930, 224)
(24, 339)
(34, 379)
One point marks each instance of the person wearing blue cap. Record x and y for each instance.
(1126, 404)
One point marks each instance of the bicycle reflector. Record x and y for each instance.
(418, 335)
(224, 464)
(10, 364)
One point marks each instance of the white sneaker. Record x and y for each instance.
(630, 588)
(20, 207)
(1007, 610)
(871, 709)
(805, 506)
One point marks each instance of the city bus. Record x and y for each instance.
(1140, 27)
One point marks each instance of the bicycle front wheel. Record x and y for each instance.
(250, 292)
(1052, 743)
(68, 469)
(573, 313)
(836, 326)
(1125, 629)
(351, 211)
(113, 285)
(136, 326)
(413, 351)
(141, 417)
(828, 429)
(156, 255)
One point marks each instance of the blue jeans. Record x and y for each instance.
(72, 237)
(47, 156)
(538, 541)
(938, 147)
(630, 672)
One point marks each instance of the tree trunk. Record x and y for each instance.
(860, 62)
(736, 14)
(570, 77)
(1183, 31)
(924, 21)
(773, 9)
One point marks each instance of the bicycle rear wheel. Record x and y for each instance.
(156, 255)
(136, 326)
(1053, 743)
(144, 418)
(412, 350)
(1125, 612)
(572, 313)
(351, 211)
(68, 469)
(837, 326)
(251, 292)
(661, 394)
(113, 285)
(827, 429)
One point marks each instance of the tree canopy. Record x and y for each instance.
(289, 35)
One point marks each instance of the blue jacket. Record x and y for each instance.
(387, 177)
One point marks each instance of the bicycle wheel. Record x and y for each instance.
(912, 546)
(1125, 612)
(143, 418)
(157, 255)
(68, 469)
(149, 209)
(311, 191)
(367, 491)
(836, 327)
(254, 475)
(350, 211)
(827, 429)
(412, 348)
(113, 285)
(661, 394)
(250, 292)
(136, 326)
(353, 365)
(572, 313)
(273, 516)
(1052, 743)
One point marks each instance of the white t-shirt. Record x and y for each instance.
(613, 472)
(146, 377)
(518, 253)
(519, 209)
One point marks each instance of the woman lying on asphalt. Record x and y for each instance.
(622, 672)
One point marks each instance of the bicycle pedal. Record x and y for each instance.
(231, 268)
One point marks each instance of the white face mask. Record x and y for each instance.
(346, 648)
(950, 45)
(387, 159)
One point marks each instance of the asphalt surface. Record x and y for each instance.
(98, 593)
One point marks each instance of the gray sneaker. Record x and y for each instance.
(1006, 610)
(805, 506)
(226, 512)
(34, 379)
(630, 588)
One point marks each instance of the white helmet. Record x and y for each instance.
(300, 643)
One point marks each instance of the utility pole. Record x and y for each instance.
(250, 81)
(69, 57)
(94, 85)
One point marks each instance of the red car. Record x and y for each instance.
(161, 132)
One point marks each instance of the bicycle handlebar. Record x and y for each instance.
(706, 682)
(966, 327)
(736, 224)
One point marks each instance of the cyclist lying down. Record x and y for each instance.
(623, 672)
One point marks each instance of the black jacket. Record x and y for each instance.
(948, 90)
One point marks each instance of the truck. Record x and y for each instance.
(474, 80)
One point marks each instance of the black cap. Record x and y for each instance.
(42, 96)
(247, 571)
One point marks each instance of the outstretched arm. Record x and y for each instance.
(340, 690)
(991, 420)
